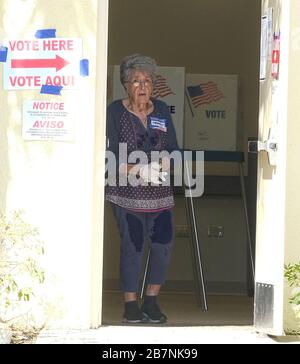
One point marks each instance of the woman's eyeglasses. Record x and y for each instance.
(137, 83)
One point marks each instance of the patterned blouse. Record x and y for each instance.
(125, 127)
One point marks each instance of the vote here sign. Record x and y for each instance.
(33, 63)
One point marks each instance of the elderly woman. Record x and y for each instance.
(142, 206)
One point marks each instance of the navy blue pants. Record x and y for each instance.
(135, 228)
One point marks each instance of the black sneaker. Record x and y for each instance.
(133, 314)
(153, 313)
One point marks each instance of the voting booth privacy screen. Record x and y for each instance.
(211, 103)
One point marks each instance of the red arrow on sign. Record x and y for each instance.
(57, 63)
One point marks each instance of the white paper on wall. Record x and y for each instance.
(48, 120)
(211, 112)
(264, 46)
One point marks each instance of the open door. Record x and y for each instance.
(271, 148)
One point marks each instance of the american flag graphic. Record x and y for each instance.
(205, 93)
(161, 88)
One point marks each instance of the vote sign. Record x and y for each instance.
(211, 112)
(33, 63)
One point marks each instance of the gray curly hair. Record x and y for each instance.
(137, 62)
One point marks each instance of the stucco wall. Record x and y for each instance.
(53, 182)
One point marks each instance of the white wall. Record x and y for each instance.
(53, 182)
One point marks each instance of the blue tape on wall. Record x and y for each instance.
(51, 90)
(3, 53)
(45, 33)
(84, 67)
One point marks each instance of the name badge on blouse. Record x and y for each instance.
(157, 123)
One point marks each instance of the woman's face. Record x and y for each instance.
(139, 87)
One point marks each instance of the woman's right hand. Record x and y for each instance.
(150, 173)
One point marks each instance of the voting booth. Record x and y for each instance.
(211, 122)
(211, 112)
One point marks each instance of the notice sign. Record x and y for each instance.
(45, 120)
(33, 63)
